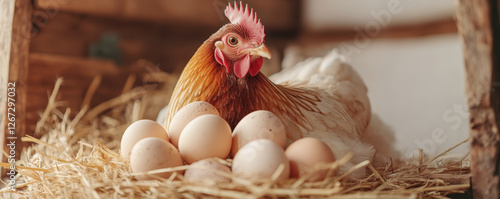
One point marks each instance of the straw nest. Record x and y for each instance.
(77, 157)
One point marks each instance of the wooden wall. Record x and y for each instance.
(163, 32)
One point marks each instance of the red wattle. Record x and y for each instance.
(256, 66)
(219, 57)
(241, 66)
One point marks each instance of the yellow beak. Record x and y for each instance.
(262, 51)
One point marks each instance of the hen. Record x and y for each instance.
(320, 97)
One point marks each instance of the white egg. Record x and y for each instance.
(259, 160)
(305, 155)
(185, 115)
(151, 154)
(208, 171)
(258, 125)
(206, 136)
(137, 131)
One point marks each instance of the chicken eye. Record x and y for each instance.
(233, 41)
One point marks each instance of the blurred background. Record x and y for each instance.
(407, 51)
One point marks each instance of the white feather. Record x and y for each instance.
(344, 105)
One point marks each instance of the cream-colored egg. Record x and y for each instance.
(306, 154)
(207, 136)
(185, 115)
(258, 125)
(137, 131)
(208, 172)
(259, 160)
(151, 154)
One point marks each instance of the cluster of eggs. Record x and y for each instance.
(197, 135)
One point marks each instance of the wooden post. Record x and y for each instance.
(479, 26)
(18, 71)
(6, 17)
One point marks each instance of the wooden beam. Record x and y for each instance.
(444, 26)
(18, 69)
(479, 26)
(277, 14)
(7, 14)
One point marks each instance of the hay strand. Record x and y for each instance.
(91, 91)
(447, 151)
(78, 158)
(50, 106)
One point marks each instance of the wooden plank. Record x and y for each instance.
(18, 68)
(479, 26)
(6, 19)
(78, 73)
(277, 14)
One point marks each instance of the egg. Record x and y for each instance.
(306, 153)
(258, 160)
(206, 136)
(185, 115)
(208, 171)
(151, 154)
(258, 125)
(137, 131)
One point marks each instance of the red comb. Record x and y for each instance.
(247, 19)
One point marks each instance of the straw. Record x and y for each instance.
(79, 158)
